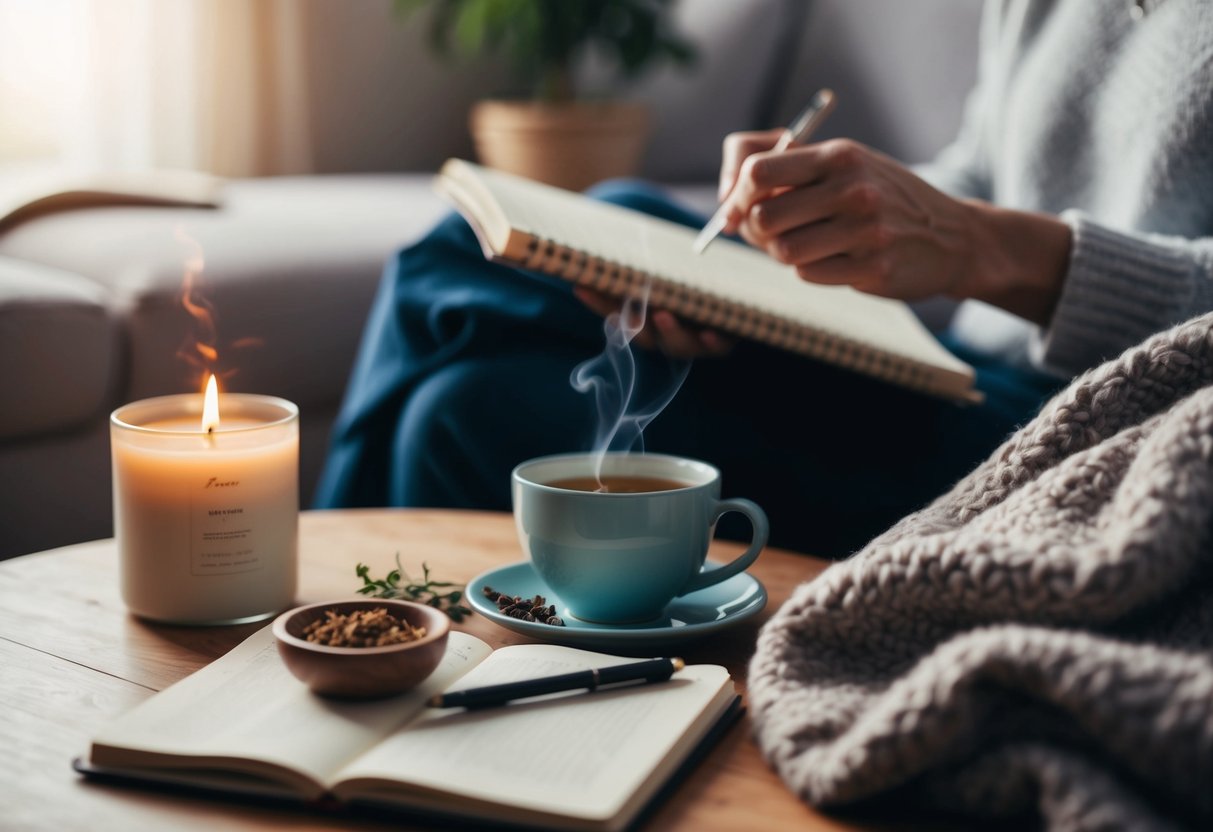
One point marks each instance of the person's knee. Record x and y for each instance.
(446, 404)
(440, 432)
(451, 237)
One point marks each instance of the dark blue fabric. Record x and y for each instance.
(464, 372)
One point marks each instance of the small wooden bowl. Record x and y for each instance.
(362, 672)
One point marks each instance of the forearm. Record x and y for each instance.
(1093, 291)
(1019, 260)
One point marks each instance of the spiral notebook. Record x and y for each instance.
(731, 286)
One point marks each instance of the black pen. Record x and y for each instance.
(652, 670)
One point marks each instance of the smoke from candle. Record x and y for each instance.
(200, 349)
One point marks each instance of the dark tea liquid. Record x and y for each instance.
(619, 484)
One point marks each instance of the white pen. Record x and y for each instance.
(798, 132)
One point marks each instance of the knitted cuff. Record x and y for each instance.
(1119, 290)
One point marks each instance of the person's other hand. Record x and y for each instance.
(842, 213)
(663, 330)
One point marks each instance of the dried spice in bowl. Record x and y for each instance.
(363, 658)
(361, 628)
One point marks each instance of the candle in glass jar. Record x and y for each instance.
(206, 512)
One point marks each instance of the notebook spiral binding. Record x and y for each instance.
(710, 310)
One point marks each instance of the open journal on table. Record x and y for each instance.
(243, 724)
(730, 286)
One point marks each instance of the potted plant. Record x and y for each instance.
(557, 136)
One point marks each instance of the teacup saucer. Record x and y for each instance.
(691, 616)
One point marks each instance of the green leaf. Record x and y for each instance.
(469, 29)
(426, 592)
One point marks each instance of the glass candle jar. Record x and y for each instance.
(206, 521)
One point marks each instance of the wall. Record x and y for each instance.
(381, 102)
(901, 70)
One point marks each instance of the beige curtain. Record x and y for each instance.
(213, 85)
(252, 92)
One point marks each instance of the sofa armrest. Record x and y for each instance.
(291, 264)
(60, 344)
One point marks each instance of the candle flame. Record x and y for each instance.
(210, 406)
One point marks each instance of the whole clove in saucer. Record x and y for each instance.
(535, 609)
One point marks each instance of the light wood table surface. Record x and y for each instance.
(71, 658)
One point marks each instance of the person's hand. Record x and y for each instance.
(737, 148)
(663, 330)
(842, 213)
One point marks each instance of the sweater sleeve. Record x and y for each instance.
(1119, 289)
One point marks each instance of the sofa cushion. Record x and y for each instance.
(290, 266)
(59, 344)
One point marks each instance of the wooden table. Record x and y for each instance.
(71, 658)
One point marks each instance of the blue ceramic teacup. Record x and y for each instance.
(618, 558)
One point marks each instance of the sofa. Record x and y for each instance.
(90, 300)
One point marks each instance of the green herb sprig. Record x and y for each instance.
(445, 595)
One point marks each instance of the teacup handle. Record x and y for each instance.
(758, 519)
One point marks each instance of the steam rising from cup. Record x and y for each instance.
(613, 380)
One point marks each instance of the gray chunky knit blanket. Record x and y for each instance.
(1038, 640)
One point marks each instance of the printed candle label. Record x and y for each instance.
(207, 525)
(222, 530)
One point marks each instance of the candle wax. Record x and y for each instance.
(207, 523)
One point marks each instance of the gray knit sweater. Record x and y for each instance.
(1084, 113)
(1040, 639)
